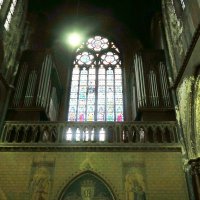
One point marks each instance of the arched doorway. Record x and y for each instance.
(87, 186)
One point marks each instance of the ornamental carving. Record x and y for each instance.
(41, 179)
(176, 27)
(185, 108)
(196, 113)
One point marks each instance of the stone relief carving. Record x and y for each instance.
(169, 42)
(134, 183)
(41, 179)
(185, 107)
(176, 27)
(40, 184)
(197, 114)
(134, 187)
(174, 33)
(87, 163)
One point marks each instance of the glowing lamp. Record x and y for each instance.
(74, 39)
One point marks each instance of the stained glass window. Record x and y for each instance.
(96, 87)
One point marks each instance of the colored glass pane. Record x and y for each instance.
(101, 117)
(119, 117)
(85, 58)
(110, 58)
(101, 89)
(82, 102)
(118, 101)
(101, 82)
(109, 71)
(81, 117)
(118, 71)
(101, 101)
(90, 117)
(118, 95)
(118, 82)
(74, 95)
(75, 77)
(110, 116)
(118, 89)
(73, 101)
(119, 77)
(91, 82)
(91, 101)
(97, 43)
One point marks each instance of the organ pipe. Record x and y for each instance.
(139, 77)
(44, 82)
(20, 85)
(153, 90)
(164, 84)
(53, 108)
(47, 90)
(30, 89)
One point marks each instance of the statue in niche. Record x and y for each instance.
(134, 187)
(40, 184)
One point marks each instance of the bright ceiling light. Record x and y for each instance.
(74, 39)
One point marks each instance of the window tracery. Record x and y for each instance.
(96, 88)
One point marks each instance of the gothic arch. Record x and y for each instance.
(87, 184)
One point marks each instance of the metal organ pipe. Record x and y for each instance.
(30, 88)
(164, 84)
(139, 74)
(44, 82)
(53, 108)
(150, 89)
(47, 82)
(155, 90)
(140, 78)
(137, 81)
(143, 84)
(154, 98)
(20, 85)
(48, 97)
(40, 84)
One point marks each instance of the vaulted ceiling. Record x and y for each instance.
(135, 15)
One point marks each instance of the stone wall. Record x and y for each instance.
(159, 174)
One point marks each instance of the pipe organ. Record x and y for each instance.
(152, 88)
(38, 85)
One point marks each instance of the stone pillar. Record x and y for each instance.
(195, 173)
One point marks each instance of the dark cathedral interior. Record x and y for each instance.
(99, 100)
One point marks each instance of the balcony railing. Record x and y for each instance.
(93, 133)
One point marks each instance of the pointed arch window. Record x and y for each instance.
(96, 87)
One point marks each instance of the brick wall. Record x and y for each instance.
(162, 174)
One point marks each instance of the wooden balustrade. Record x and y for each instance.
(89, 132)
